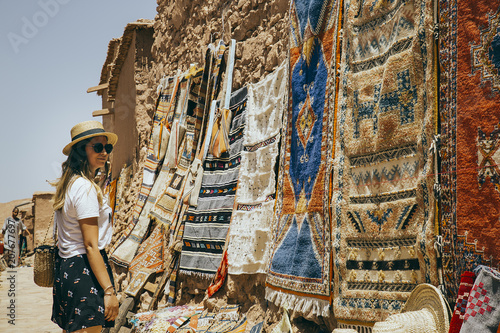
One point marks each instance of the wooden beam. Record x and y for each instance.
(97, 88)
(102, 112)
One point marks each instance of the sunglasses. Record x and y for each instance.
(98, 147)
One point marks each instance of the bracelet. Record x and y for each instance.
(113, 292)
(110, 286)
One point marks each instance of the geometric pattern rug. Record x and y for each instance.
(466, 284)
(121, 253)
(206, 224)
(151, 253)
(299, 273)
(383, 200)
(470, 112)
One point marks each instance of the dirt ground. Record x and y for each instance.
(30, 305)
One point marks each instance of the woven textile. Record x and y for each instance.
(240, 327)
(178, 107)
(167, 203)
(250, 232)
(360, 327)
(299, 271)
(126, 252)
(215, 66)
(257, 327)
(469, 108)
(206, 225)
(192, 326)
(164, 320)
(466, 284)
(178, 127)
(220, 276)
(175, 192)
(162, 203)
(483, 305)
(205, 321)
(122, 253)
(384, 204)
(226, 320)
(151, 253)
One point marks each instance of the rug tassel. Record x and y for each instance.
(300, 304)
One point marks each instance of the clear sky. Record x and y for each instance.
(51, 52)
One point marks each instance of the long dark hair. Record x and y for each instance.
(76, 165)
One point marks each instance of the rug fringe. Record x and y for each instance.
(301, 304)
(204, 276)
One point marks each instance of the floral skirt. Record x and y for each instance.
(78, 299)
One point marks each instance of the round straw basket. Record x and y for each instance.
(43, 268)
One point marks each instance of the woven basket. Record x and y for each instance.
(43, 268)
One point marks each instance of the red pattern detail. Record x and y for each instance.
(479, 300)
(464, 292)
(220, 276)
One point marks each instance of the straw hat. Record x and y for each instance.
(425, 311)
(88, 129)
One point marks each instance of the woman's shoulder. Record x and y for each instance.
(80, 184)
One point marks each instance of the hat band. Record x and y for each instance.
(89, 132)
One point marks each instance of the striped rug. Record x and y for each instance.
(206, 225)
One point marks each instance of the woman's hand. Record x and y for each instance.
(110, 307)
(90, 233)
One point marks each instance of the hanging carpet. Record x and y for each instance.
(251, 224)
(171, 205)
(167, 203)
(383, 199)
(300, 267)
(125, 249)
(206, 225)
(151, 253)
(470, 137)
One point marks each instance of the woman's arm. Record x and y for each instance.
(90, 233)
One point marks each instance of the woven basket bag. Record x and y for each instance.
(43, 267)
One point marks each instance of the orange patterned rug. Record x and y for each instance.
(470, 114)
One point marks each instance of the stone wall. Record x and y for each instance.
(183, 29)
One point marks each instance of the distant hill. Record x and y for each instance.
(6, 208)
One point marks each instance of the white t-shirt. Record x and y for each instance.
(81, 203)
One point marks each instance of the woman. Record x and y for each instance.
(11, 229)
(84, 296)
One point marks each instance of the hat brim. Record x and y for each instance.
(112, 139)
(426, 296)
